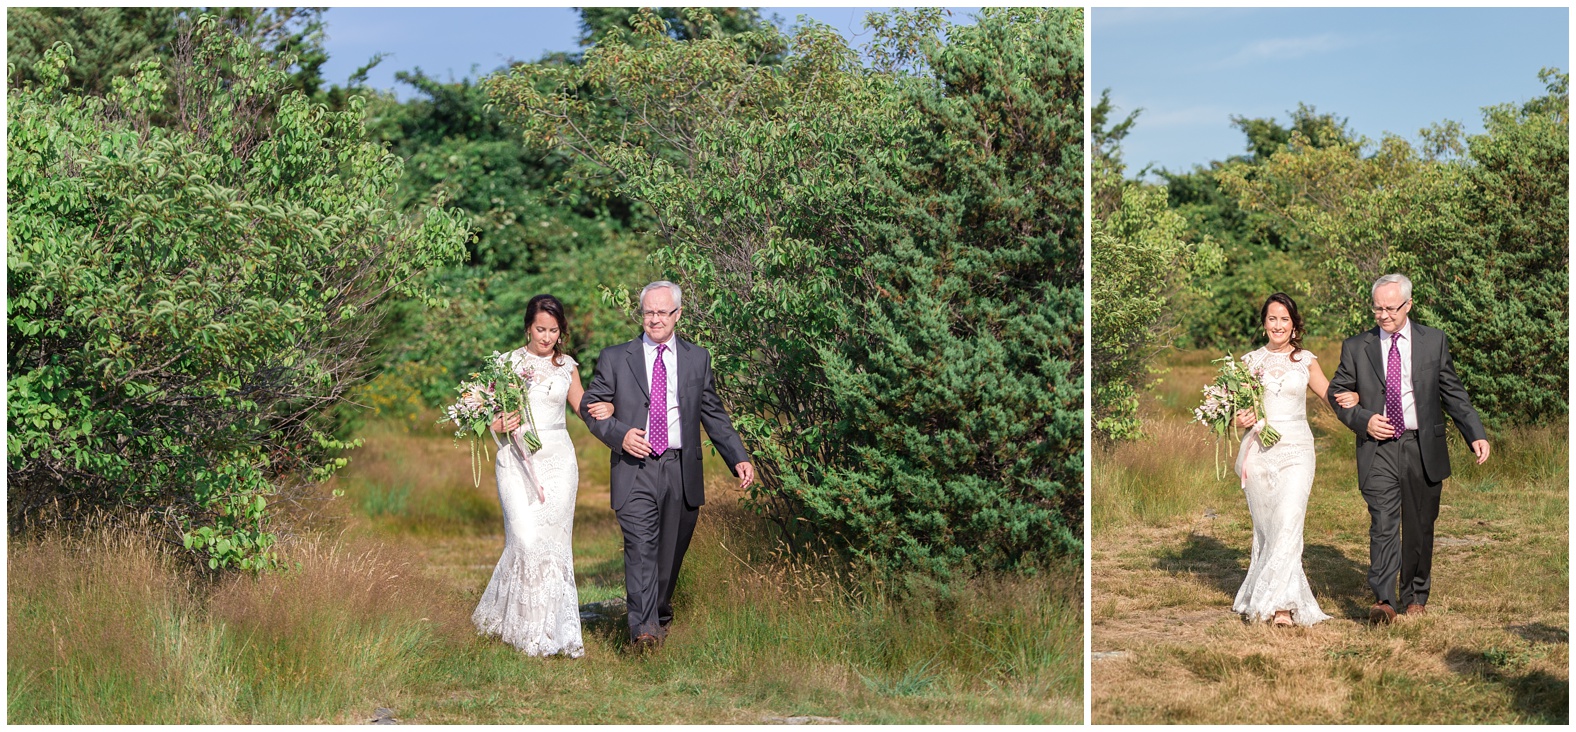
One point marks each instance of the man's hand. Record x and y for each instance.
(506, 423)
(1480, 449)
(1246, 418)
(1379, 427)
(635, 444)
(747, 473)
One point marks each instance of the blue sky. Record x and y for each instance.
(447, 42)
(1385, 70)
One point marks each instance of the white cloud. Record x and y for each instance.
(1105, 18)
(1195, 116)
(1286, 49)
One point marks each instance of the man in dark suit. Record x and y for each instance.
(662, 392)
(1402, 374)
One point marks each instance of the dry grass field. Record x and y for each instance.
(374, 612)
(1170, 548)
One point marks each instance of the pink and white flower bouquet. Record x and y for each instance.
(1235, 387)
(496, 390)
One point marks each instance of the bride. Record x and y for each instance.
(531, 602)
(1277, 479)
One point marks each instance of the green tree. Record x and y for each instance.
(970, 362)
(196, 261)
(110, 42)
(1144, 257)
(1107, 163)
(885, 266)
(1260, 256)
(535, 231)
(538, 229)
(1483, 236)
(597, 23)
(1502, 292)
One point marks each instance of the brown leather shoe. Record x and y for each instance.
(1381, 614)
(1416, 610)
(644, 642)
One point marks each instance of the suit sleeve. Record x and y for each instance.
(718, 426)
(1345, 379)
(610, 431)
(1454, 394)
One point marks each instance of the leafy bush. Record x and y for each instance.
(1144, 258)
(110, 42)
(1260, 255)
(1484, 237)
(886, 265)
(535, 231)
(186, 298)
(1502, 291)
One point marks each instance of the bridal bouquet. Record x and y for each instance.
(1235, 387)
(496, 390)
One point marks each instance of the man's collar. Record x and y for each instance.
(1406, 331)
(645, 339)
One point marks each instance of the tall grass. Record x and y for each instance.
(104, 628)
(374, 612)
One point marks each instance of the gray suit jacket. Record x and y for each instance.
(621, 379)
(1434, 384)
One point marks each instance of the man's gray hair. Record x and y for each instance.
(1389, 279)
(678, 295)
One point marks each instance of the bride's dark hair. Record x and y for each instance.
(1296, 319)
(550, 305)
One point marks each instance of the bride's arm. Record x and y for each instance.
(576, 391)
(1320, 384)
(599, 410)
(1317, 381)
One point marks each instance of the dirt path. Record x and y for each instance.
(1495, 647)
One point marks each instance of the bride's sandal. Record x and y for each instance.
(1283, 619)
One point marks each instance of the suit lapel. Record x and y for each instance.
(1375, 358)
(1418, 334)
(687, 396)
(637, 365)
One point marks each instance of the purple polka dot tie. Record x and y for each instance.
(1392, 387)
(657, 422)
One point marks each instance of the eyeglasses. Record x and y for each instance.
(1389, 311)
(663, 314)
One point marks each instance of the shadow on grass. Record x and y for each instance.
(1541, 633)
(1541, 696)
(1331, 574)
(1337, 580)
(607, 573)
(1208, 558)
(608, 620)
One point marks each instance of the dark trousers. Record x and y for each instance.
(657, 528)
(1402, 507)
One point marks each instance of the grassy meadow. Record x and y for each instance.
(375, 613)
(1170, 547)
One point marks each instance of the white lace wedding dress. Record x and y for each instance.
(1277, 481)
(531, 602)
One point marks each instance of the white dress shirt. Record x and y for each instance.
(1408, 399)
(670, 357)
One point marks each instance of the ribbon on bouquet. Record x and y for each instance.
(524, 458)
(1250, 441)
